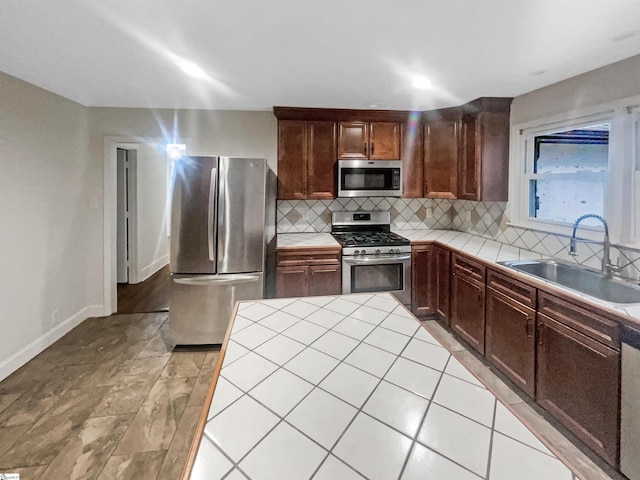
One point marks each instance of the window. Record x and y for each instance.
(568, 173)
(586, 161)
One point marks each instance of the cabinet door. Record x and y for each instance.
(510, 341)
(325, 280)
(422, 280)
(292, 282)
(442, 270)
(384, 139)
(292, 158)
(441, 159)
(467, 309)
(353, 138)
(411, 149)
(578, 382)
(470, 156)
(321, 159)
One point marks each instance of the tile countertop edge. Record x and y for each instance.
(202, 420)
(454, 240)
(483, 249)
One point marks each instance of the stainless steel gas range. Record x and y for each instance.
(374, 259)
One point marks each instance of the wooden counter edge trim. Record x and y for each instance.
(202, 420)
(288, 248)
(495, 393)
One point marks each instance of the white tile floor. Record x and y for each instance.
(353, 387)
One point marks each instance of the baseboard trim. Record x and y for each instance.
(149, 270)
(21, 357)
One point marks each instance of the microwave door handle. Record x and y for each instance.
(376, 260)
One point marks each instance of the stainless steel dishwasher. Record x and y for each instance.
(630, 404)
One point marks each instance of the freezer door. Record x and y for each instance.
(241, 214)
(201, 305)
(194, 185)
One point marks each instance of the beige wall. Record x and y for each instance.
(45, 191)
(612, 82)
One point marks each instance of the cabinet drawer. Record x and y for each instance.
(307, 257)
(591, 322)
(468, 267)
(517, 290)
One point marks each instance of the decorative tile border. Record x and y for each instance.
(487, 219)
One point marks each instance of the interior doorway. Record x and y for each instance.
(124, 159)
(136, 240)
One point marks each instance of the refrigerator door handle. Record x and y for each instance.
(207, 280)
(212, 214)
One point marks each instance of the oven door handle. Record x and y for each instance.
(377, 260)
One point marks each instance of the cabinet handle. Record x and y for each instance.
(373, 146)
(365, 149)
(528, 326)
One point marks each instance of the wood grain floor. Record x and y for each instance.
(111, 399)
(152, 295)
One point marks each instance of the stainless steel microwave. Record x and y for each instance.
(369, 178)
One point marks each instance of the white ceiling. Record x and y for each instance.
(313, 53)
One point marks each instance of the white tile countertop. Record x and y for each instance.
(491, 251)
(354, 387)
(296, 240)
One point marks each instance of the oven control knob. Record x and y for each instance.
(363, 252)
(377, 250)
(391, 250)
(356, 252)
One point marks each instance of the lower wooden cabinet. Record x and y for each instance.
(422, 280)
(301, 272)
(467, 300)
(510, 342)
(578, 382)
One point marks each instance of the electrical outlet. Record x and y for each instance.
(429, 212)
(55, 317)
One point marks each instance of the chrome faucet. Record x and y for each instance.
(607, 267)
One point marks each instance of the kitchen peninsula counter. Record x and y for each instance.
(352, 387)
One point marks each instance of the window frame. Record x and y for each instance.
(622, 185)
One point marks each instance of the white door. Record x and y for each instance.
(122, 227)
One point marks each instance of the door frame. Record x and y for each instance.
(110, 220)
(110, 250)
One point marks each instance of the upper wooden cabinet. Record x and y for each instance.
(411, 142)
(441, 158)
(483, 168)
(306, 159)
(369, 140)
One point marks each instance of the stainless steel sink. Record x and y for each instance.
(580, 279)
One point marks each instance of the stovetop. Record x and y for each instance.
(370, 239)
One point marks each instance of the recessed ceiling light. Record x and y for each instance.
(376, 105)
(535, 73)
(190, 68)
(421, 82)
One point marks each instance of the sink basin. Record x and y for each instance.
(580, 279)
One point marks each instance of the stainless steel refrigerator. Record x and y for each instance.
(218, 243)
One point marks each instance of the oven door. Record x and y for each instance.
(367, 178)
(378, 273)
